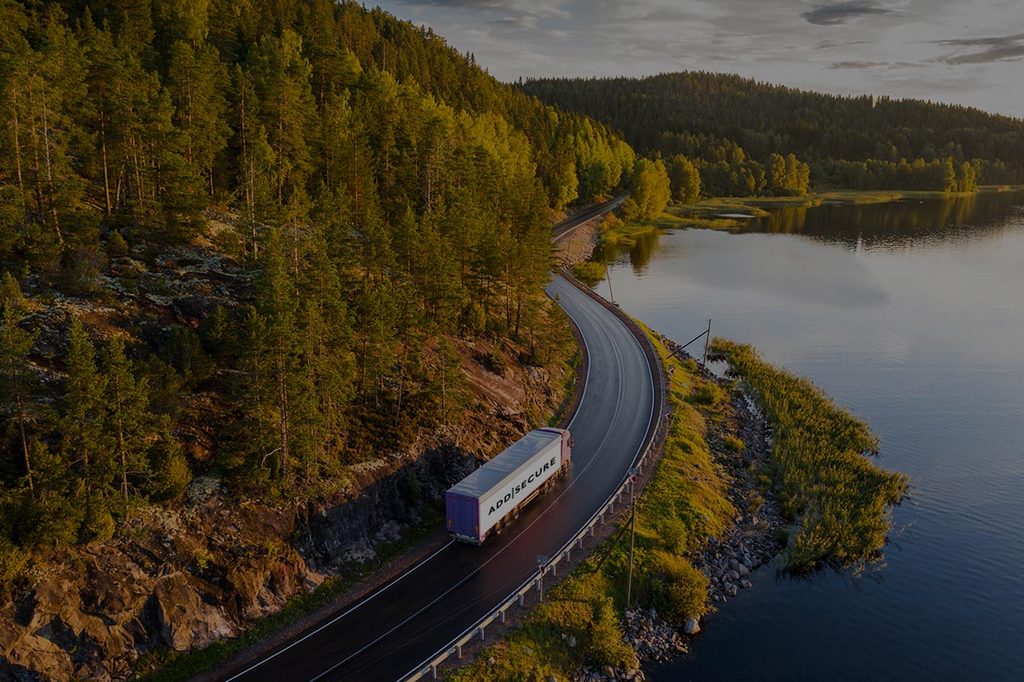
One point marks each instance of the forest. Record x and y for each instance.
(735, 129)
(358, 194)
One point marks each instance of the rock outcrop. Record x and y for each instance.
(350, 533)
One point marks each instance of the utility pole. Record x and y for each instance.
(707, 339)
(608, 272)
(632, 534)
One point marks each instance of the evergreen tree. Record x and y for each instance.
(85, 445)
(281, 76)
(197, 83)
(17, 380)
(129, 423)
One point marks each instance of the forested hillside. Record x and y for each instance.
(253, 240)
(732, 126)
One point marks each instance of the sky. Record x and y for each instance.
(961, 51)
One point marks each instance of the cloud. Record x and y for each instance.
(996, 49)
(842, 12)
(831, 44)
(857, 65)
(862, 65)
(540, 8)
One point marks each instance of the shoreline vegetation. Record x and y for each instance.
(756, 206)
(703, 497)
(821, 472)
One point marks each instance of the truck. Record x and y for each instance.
(482, 503)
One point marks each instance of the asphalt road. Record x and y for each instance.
(387, 634)
(566, 226)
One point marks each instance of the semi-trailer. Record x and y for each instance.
(483, 502)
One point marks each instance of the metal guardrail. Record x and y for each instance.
(429, 668)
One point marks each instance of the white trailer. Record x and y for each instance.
(486, 499)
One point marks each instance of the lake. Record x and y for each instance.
(911, 314)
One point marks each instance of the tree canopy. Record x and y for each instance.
(375, 194)
(731, 126)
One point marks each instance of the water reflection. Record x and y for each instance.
(890, 225)
(804, 271)
(894, 223)
(638, 253)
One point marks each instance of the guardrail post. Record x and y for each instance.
(433, 670)
(458, 651)
(481, 633)
(554, 568)
(503, 616)
(522, 599)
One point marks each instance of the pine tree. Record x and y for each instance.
(256, 159)
(85, 444)
(197, 83)
(277, 309)
(281, 75)
(17, 379)
(128, 420)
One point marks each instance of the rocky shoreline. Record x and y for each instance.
(728, 561)
(753, 540)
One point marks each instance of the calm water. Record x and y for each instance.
(912, 315)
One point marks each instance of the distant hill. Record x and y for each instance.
(693, 112)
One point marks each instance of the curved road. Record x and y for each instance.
(385, 635)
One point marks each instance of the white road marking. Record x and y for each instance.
(341, 615)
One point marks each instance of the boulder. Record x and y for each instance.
(691, 626)
(248, 579)
(32, 657)
(181, 619)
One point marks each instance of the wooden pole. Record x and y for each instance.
(707, 339)
(608, 272)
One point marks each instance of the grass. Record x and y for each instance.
(614, 232)
(590, 272)
(755, 206)
(707, 213)
(819, 469)
(625, 235)
(684, 503)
